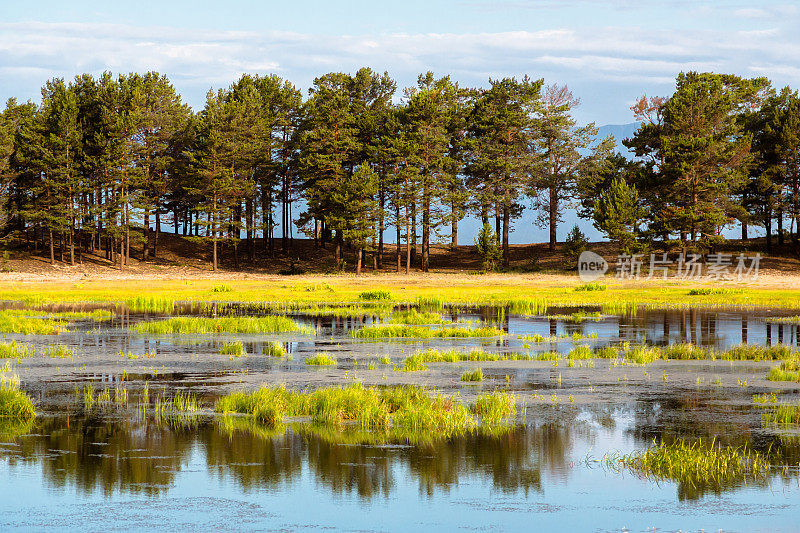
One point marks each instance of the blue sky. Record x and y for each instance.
(608, 52)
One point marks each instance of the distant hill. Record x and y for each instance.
(620, 132)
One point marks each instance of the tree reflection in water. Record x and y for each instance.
(109, 454)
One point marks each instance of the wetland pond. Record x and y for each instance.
(105, 453)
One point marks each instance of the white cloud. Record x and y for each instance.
(619, 62)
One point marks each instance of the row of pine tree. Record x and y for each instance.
(100, 163)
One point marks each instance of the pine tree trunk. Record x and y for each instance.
(146, 232)
(408, 244)
(553, 218)
(397, 236)
(155, 236)
(52, 249)
(359, 255)
(453, 227)
(71, 246)
(506, 224)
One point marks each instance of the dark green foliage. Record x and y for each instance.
(618, 214)
(488, 249)
(574, 246)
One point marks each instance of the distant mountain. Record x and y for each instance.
(620, 132)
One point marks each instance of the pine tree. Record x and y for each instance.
(618, 214)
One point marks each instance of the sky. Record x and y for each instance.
(608, 52)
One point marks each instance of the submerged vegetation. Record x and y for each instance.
(371, 408)
(189, 325)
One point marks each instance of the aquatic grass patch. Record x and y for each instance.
(526, 306)
(375, 295)
(788, 370)
(57, 351)
(203, 325)
(273, 349)
(13, 402)
(375, 408)
(781, 415)
(580, 352)
(642, 355)
(430, 303)
(494, 408)
(25, 325)
(383, 331)
(321, 359)
(696, 463)
(606, 352)
(235, 349)
(548, 356)
(151, 304)
(13, 349)
(473, 375)
(418, 360)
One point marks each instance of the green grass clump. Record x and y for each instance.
(580, 352)
(495, 407)
(235, 349)
(375, 295)
(696, 464)
(548, 356)
(274, 349)
(58, 351)
(430, 303)
(414, 317)
(417, 361)
(321, 359)
(383, 331)
(606, 352)
(788, 370)
(189, 325)
(474, 375)
(784, 414)
(222, 288)
(708, 291)
(13, 402)
(11, 322)
(590, 287)
(527, 306)
(150, 304)
(372, 408)
(10, 350)
(749, 352)
(642, 355)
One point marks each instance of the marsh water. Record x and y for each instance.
(117, 469)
